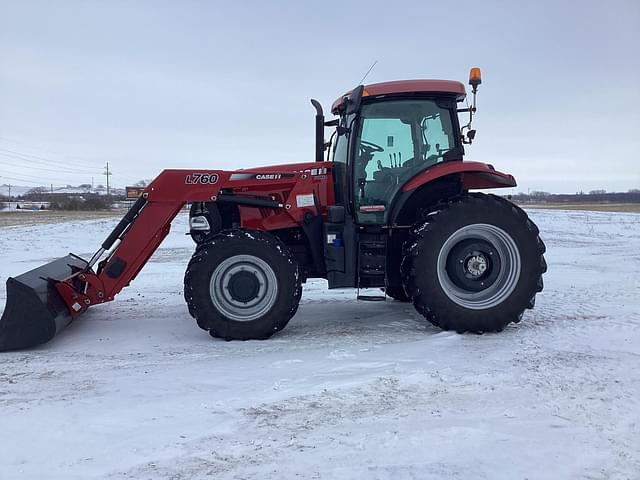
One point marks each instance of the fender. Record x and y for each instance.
(472, 175)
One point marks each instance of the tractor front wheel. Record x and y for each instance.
(242, 285)
(474, 265)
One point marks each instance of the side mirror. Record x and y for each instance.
(355, 100)
(468, 139)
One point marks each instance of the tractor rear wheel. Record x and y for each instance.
(474, 265)
(242, 285)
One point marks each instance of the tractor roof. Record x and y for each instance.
(449, 87)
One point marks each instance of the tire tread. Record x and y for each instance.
(196, 273)
(418, 242)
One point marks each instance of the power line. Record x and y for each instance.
(15, 142)
(44, 178)
(39, 163)
(13, 165)
(26, 175)
(26, 154)
(42, 181)
(64, 171)
(40, 184)
(69, 168)
(41, 160)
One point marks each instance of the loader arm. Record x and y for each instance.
(43, 301)
(149, 221)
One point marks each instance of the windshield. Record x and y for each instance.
(397, 139)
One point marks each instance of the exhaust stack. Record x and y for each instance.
(319, 130)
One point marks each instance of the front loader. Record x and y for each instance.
(387, 204)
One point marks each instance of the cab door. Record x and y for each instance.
(394, 141)
(385, 147)
(340, 228)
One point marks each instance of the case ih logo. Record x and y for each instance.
(268, 176)
(201, 178)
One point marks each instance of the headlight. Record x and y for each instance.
(199, 223)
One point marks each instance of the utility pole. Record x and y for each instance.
(107, 173)
(9, 192)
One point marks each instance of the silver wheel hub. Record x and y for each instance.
(476, 265)
(479, 266)
(243, 287)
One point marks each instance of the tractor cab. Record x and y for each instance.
(386, 135)
(397, 151)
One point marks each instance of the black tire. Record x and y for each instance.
(212, 214)
(397, 293)
(474, 265)
(242, 285)
(296, 305)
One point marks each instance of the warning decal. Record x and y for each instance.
(305, 200)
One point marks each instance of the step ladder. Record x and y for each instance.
(372, 261)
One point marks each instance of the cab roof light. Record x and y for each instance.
(475, 78)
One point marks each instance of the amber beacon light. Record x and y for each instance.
(475, 78)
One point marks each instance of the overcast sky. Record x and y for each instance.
(153, 85)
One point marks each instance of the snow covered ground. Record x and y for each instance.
(348, 390)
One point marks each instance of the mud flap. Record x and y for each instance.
(35, 312)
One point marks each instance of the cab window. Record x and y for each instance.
(396, 140)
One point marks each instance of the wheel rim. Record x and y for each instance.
(243, 287)
(479, 266)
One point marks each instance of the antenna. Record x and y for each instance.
(368, 72)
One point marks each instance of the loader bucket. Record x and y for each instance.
(35, 312)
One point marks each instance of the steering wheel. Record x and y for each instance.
(370, 147)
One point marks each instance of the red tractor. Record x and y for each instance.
(390, 207)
